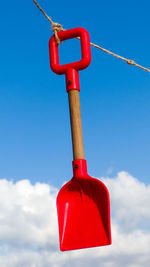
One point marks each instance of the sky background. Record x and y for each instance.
(35, 136)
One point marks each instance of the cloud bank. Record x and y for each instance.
(29, 231)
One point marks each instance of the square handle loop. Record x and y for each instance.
(71, 69)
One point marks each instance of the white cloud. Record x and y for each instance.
(27, 214)
(29, 234)
(130, 201)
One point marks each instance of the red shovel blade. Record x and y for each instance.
(83, 208)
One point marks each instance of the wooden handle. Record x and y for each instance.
(76, 124)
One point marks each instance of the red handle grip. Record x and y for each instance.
(71, 69)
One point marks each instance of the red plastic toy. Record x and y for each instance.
(83, 203)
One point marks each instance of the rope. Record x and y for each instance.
(56, 27)
(129, 61)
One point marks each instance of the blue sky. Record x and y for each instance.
(35, 137)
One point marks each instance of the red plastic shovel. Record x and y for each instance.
(83, 204)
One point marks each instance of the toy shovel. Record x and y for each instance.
(83, 204)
